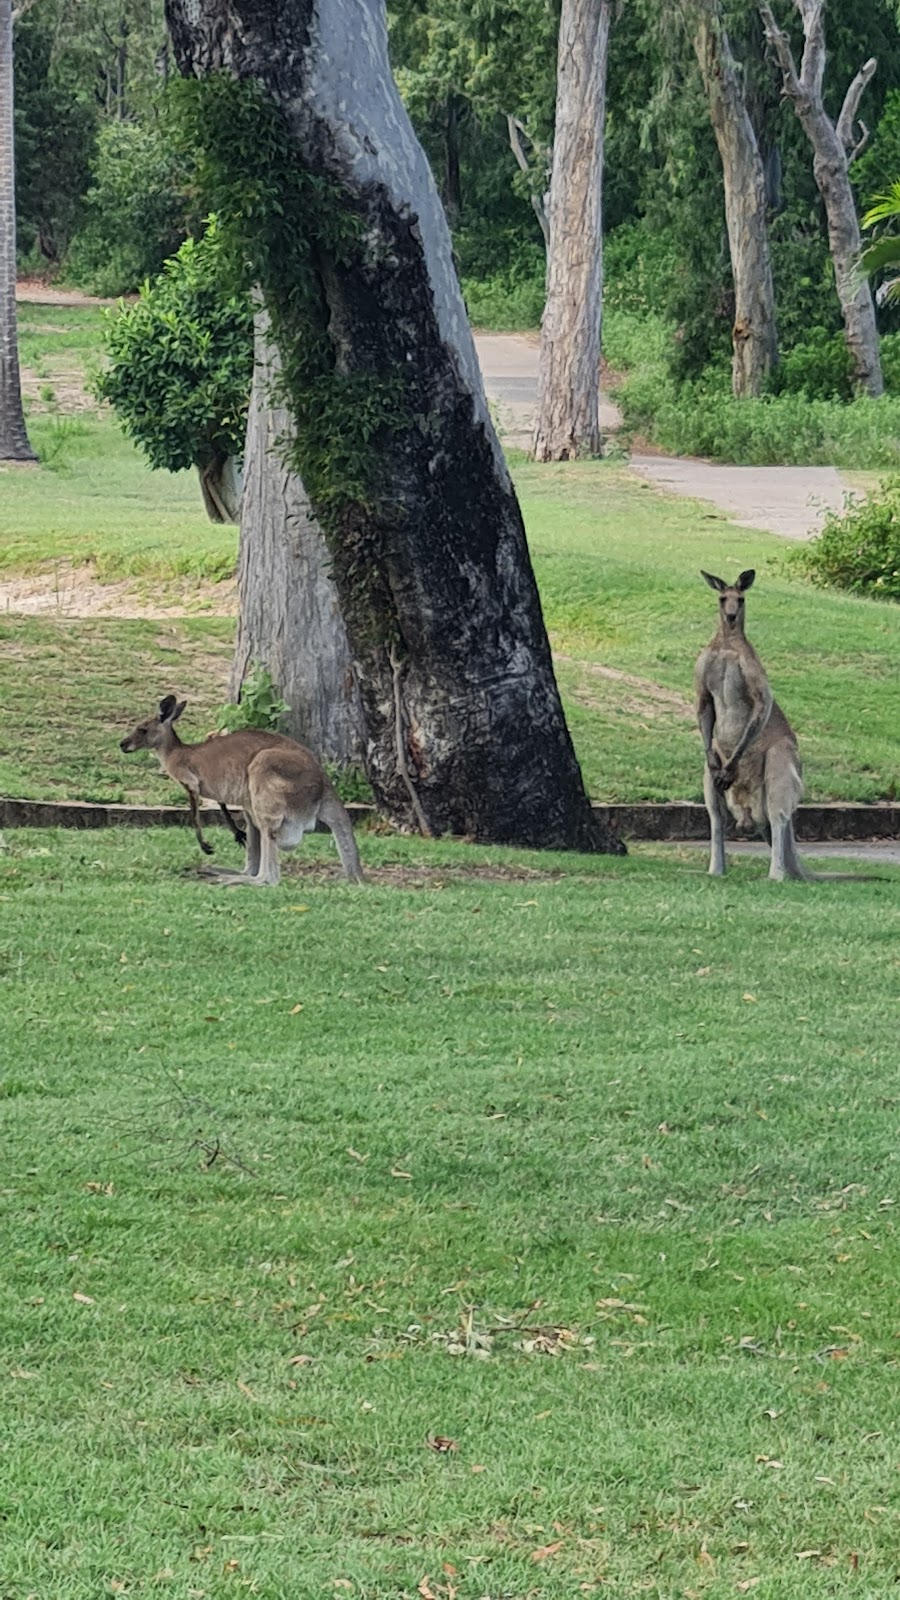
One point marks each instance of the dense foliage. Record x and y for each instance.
(181, 361)
(479, 80)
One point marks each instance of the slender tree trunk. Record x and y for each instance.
(515, 130)
(754, 344)
(568, 417)
(14, 445)
(463, 718)
(835, 145)
(452, 184)
(290, 619)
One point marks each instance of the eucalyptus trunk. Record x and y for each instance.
(14, 445)
(290, 619)
(753, 335)
(568, 416)
(835, 145)
(465, 730)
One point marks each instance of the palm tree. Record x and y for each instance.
(14, 444)
(883, 255)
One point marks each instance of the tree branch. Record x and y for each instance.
(780, 43)
(812, 66)
(850, 107)
(860, 144)
(516, 129)
(20, 9)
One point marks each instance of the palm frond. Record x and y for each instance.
(883, 206)
(883, 253)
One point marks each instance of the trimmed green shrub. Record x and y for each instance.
(181, 361)
(859, 548)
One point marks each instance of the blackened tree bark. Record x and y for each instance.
(754, 343)
(14, 445)
(290, 618)
(568, 415)
(446, 631)
(835, 145)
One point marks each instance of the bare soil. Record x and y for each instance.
(67, 591)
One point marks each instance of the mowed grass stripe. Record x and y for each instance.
(609, 1097)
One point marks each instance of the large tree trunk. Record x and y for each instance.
(568, 418)
(835, 145)
(465, 729)
(290, 618)
(754, 343)
(14, 444)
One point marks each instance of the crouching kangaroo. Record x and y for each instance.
(753, 764)
(278, 784)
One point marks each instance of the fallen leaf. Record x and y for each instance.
(83, 1299)
(295, 908)
(245, 1390)
(397, 1172)
(355, 1154)
(748, 1583)
(750, 998)
(425, 1589)
(300, 1361)
(703, 972)
(546, 1550)
(439, 1442)
(478, 1467)
(807, 1555)
(295, 1009)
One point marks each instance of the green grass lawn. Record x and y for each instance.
(617, 565)
(636, 1156)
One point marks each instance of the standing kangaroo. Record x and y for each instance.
(278, 784)
(753, 764)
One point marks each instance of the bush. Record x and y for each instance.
(705, 420)
(859, 549)
(138, 210)
(181, 361)
(508, 301)
(820, 368)
(638, 265)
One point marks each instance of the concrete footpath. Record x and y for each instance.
(788, 501)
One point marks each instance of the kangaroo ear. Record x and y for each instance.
(714, 583)
(178, 710)
(745, 581)
(166, 706)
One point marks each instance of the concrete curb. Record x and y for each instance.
(672, 821)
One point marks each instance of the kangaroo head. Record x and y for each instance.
(155, 732)
(731, 597)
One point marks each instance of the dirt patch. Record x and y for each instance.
(67, 393)
(33, 292)
(395, 875)
(647, 698)
(67, 591)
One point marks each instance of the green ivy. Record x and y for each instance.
(260, 705)
(278, 222)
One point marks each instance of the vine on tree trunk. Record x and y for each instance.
(280, 223)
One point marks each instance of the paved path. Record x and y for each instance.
(788, 501)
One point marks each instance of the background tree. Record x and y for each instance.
(14, 445)
(465, 730)
(568, 417)
(755, 349)
(835, 144)
(292, 620)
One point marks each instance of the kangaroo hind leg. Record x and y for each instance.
(718, 814)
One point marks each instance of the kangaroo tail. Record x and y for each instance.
(334, 815)
(795, 868)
